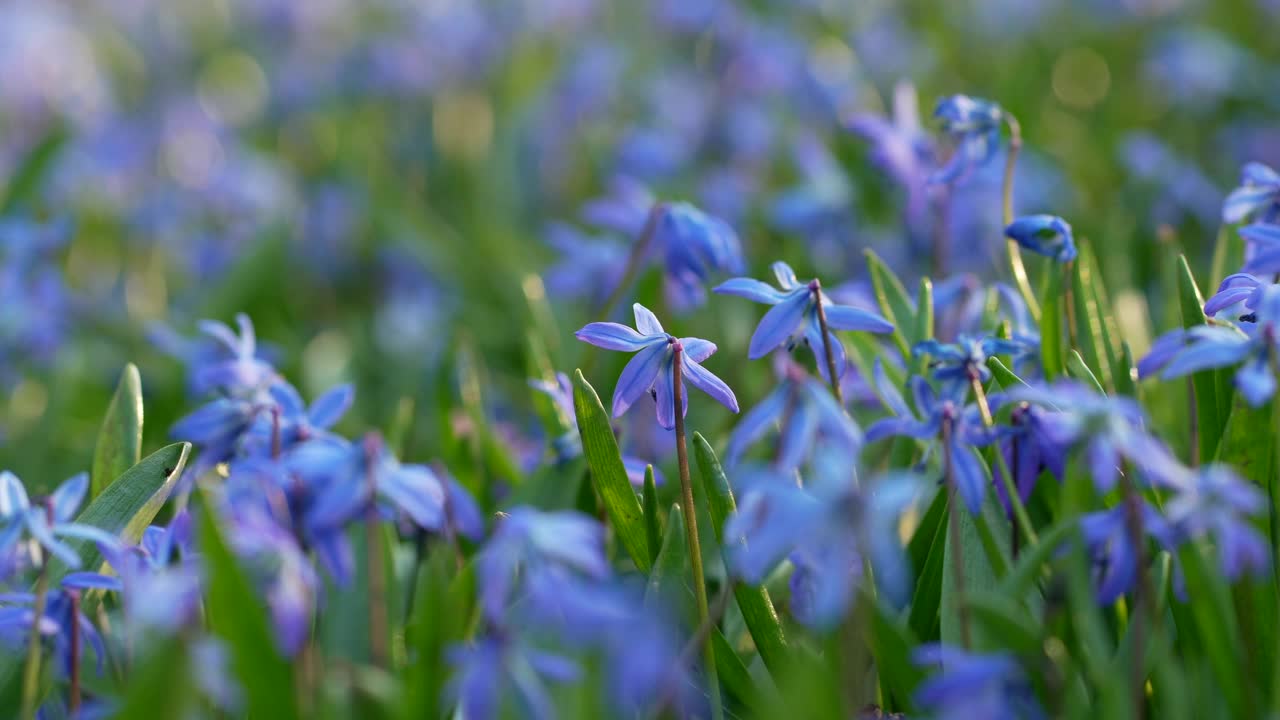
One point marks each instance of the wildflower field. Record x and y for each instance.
(481, 359)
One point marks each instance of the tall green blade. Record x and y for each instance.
(119, 444)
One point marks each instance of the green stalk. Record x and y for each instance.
(691, 532)
(1018, 269)
(953, 534)
(815, 287)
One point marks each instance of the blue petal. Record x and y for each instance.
(1208, 353)
(697, 349)
(415, 490)
(797, 437)
(970, 480)
(779, 324)
(639, 375)
(665, 396)
(13, 496)
(68, 497)
(844, 317)
(646, 322)
(756, 423)
(1244, 201)
(888, 392)
(1162, 350)
(708, 383)
(1256, 382)
(331, 406)
(750, 289)
(785, 275)
(612, 336)
(813, 334)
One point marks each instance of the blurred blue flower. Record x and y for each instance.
(221, 361)
(1257, 197)
(807, 417)
(36, 305)
(825, 527)
(160, 583)
(281, 571)
(46, 523)
(1234, 290)
(954, 365)
(1109, 541)
(588, 268)
(17, 618)
(974, 127)
(795, 315)
(1183, 352)
(1031, 443)
(945, 418)
(1262, 248)
(899, 145)
(1214, 502)
(695, 245)
(973, 685)
(1047, 235)
(501, 666)
(651, 370)
(1111, 430)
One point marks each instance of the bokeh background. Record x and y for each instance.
(399, 193)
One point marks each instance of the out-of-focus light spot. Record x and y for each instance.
(28, 402)
(1132, 317)
(92, 267)
(463, 124)
(232, 88)
(325, 360)
(192, 155)
(1081, 78)
(145, 289)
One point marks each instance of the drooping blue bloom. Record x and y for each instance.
(1258, 196)
(955, 364)
(1262, 253)
(625, 210)
(1047, 235)
(1109, 541)
(1214, 502)
(1030, 444)
(962, 423)
(794, 316)
(289, 421)
(588, 268)
(652, 369)
(900, 147)
(825, 528)
(806, 415)
(569, 445)
(974, 126)
(46, 524)
(1111, 430)
(695, 246)
(1236, 289)
(1203, 347)
(502, 666)
(973, 685)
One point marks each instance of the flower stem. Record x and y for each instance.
(31, 673)
(1015, 254)
(815, 287)
(691, 531)
(953, 535)
(634, 262)
(1021, 519)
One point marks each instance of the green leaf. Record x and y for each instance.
(1215, 624)
(608, 474)
(128, 505)
(1078, 369)
(895, 304)
(667, 578)
(1208, 424)
(1017, 583)
(237, 616)
(1123, 375)
(1090, 333)
(983, 557)
(891, 644)
(757, 608)
(652, 518)
(159, 684)
(1003, 621)
(1228, 254)
(1052, 327)
(1003, 375)
(444, 600)
(922, 329)
(119, 444)
(926, 601)
(25, 180)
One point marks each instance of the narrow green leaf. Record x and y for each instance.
(1215, 624)
(128, 505)
(894, 302)
(1089, 321)
(236, 616)
(1124, 372)
(1191, 302)
(667, 579)
(119, 445)
(652, 521)
(891, 645)
(757, 608)
(1228, 254)
(608, 474)
(159, 684)
(1003, 375)
(922, 329)
(926, 601)
(1017, 583)
(1079, 369)
(25, 179)
(444, 598)
(922, 537)
(1003, 621)
(1052, 327)
(984, 557)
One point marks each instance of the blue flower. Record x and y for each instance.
(222, 361)
(1047, 235)
(501, 666)
(652, 369)
(964, 429)
(1234, 290)
(46, 523)
(695, 245)
(900, 147)
(806, 415)
(955, 364)
(825, 528)
(1108, 539)
(161, 586)
(280, 569)
(794, 316)
(1110, 429)
(1031, 443)
(17, 619)
(974, 126)
(1214, 502)
(1262, 255)
(1213, 346)
(973, 685)
(588, 267)
(1258, 195)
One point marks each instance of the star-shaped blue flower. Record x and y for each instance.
(794, 316)
(652, 369)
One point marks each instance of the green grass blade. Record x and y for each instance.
(119, 445)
